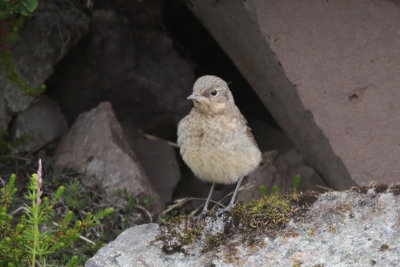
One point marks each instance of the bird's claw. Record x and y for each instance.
(201, 215)
(220, 211)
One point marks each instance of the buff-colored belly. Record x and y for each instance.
(225, 162)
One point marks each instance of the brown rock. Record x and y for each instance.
(95, 145)
(277, 171)
(159, 162)
(329, 73)
(41, 123)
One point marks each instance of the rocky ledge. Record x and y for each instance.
(360, 227)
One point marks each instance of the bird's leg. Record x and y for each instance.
(205, 208)
(234, 194)
(232, 202)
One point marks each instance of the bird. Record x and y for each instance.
(214, 139)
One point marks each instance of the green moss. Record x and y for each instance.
(7, 62)
(268, 214)
(12, 14)
(213, 242)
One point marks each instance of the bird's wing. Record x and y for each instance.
(243, 120)
(249, 133)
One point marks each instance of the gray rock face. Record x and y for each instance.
(95, 145)
(340, 229)
(130, 61)
(51, 31)
(159, 162)
(277, 170)
(42, 123)
(327, 71)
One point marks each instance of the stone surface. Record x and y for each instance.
(276, 170)
(327, 71)
(340, 229)
(96, 146)
(51, 32)
(41, 123)
(131, 242)
(129, 60)
(159, 162)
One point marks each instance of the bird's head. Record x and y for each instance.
(211, 95)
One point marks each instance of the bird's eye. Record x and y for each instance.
(214, 93)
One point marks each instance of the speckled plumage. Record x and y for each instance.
(214, 139)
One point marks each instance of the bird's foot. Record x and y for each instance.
(201, 215)
(227, 208)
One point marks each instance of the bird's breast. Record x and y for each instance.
(217, 149)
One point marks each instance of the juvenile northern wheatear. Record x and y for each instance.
(214, 139)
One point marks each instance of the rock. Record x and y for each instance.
(327, 71)
(130, 242)
(95, 146)
(41, 123)
(277, 171)
(159, 162)
(129, 60)
(339, 229)
(5, 116)
(51, 32)
(310, 177)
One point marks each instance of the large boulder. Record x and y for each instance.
(339, 229)
(327, 71)
(96, 147)
(44, 40)
(129, 60)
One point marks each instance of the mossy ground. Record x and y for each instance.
(251, 222)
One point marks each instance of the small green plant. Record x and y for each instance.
(147, 202)
(37, 234)
(72, 195)
(10, 8)
(7, 146)
(132, 202)
(274, 189)
(297, 182)
(263, 190)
